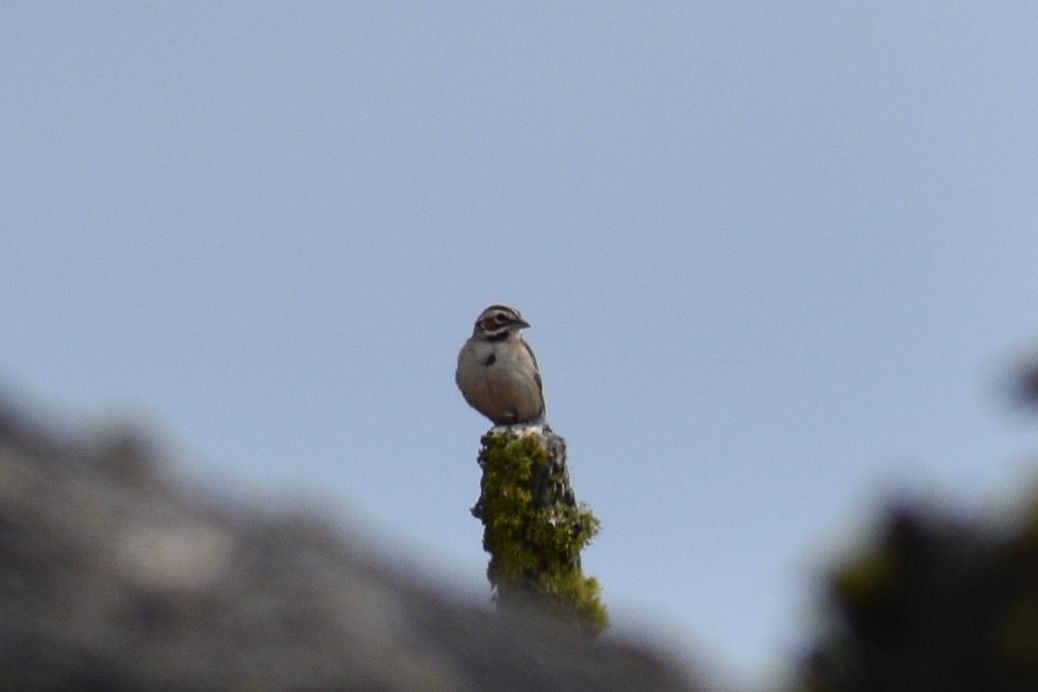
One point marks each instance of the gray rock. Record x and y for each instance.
(114, 576)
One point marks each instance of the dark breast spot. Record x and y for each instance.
(491, 359)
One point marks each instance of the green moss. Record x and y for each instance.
(534, 531)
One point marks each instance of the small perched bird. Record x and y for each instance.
(497, 371)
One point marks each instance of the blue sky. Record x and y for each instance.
(777, 257)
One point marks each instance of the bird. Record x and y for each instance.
(497, 372)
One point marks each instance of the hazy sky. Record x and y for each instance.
(776, 257)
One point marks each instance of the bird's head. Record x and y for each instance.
(497, 322)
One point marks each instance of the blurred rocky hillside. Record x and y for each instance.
(113, 576)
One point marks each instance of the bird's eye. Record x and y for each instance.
(501, 318)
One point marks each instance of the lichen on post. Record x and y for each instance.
(533, 527)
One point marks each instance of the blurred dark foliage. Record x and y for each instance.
(937, 603)
(1027, 386)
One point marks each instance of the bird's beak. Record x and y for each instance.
(523, 324)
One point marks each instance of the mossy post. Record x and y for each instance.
(533, 527)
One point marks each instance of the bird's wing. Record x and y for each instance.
(536, 372)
